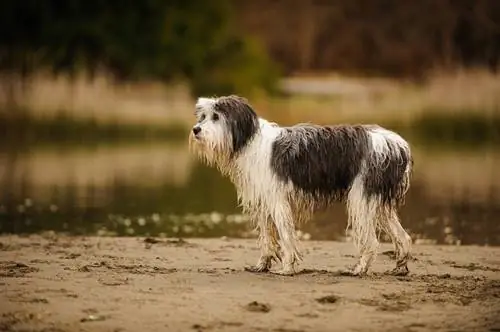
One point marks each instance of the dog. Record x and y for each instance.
(285, 174)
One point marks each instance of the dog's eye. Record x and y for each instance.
(202, 117)
(215, 117)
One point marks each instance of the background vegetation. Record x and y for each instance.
(222, 46)
(398, 38)
(191, 40)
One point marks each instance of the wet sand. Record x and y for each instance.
(61, 283)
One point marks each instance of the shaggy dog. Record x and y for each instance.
(284, 174)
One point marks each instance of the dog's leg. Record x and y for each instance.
(362, 214)
(401, 240)
(268, 244)
(283, 219)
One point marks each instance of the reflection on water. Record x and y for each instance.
(160, 190)
(40, 172)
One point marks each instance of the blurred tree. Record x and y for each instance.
(204, 46)
(175, 39)
(208, 43)
(383, 37)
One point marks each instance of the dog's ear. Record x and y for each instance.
(241, 119)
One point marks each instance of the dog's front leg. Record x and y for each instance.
(268, 244)
(284, 222)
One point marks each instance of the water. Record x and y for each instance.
(159, 189)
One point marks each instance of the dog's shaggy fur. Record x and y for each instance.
(284, 174)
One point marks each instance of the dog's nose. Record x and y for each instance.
(196, 130)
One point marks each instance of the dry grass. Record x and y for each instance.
(330, 99)
(319, 98)
(99, 99)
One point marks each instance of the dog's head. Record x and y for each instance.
(224, 126)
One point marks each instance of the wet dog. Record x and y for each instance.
(284, 174)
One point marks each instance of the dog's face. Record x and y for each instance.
(224, 127)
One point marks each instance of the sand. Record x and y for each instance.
(62, 283)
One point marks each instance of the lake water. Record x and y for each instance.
(159, 189)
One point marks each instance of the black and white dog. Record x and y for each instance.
(284, 174)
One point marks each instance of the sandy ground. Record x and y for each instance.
(60, 283)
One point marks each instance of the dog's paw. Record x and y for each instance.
(399, 271)
(354, 271)
(350, 273)
(257, 268)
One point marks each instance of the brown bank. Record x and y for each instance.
(59, 283)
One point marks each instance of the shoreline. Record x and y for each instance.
(76, 283)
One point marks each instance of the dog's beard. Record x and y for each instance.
(210, 152)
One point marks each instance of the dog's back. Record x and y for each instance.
(324, 160)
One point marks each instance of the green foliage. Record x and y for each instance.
(203, 46)
(244, 68)
(190, 40)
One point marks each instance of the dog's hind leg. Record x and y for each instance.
(362, 219)
(268, 244)
(400, 238)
